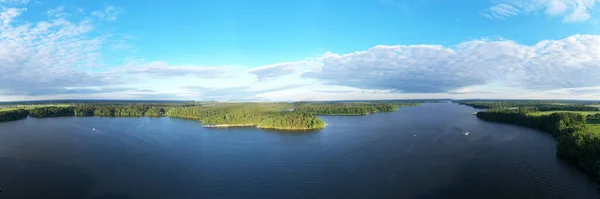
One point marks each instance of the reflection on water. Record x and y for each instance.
(416, 152)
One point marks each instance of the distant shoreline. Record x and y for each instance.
(257, 126)
(280, 116)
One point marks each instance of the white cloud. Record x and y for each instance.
(501, 11)
(14, 2)
(110, 13)
(569, 10)
(553, 64)
(9, 14)
(162, 69)
(58, 12)
(273, 71)
(43, 57)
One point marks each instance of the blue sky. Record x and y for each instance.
(276, 50)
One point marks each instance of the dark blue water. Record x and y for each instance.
(416, 152)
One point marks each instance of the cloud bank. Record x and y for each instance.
(551, 64)
(567, 63)
(62, 58)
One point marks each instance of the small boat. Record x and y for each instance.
(466, 133)
(414, 135)
(93, 129)
(209, 126)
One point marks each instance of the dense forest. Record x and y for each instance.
(193, 112)
(51, 112)
(577, 142)
(347, 108)
(98, 110)
(275, 116)
(540, 106)
(119, 110)
(11, 115)
(291, 121)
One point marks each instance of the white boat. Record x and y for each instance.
(466, 133)
(93, 129)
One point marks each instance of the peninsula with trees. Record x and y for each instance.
(574, 124)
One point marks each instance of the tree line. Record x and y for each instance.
(576, 142)
(345, 108)
(291, 121)
(539, 106)
(51, 112)
(131, 110)
(12, 115)
(265, 115)
(119, 110)
(98, 110)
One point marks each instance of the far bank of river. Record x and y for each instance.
(261, 115)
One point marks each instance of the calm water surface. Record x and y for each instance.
(416, 152)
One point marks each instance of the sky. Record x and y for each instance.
(293, 50)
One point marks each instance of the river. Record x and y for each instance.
(415, 152)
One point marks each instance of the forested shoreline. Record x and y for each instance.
(537, 106)
(345, 108)
(12, 115)
(285, 116)
(41, 112)
(577, 142)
